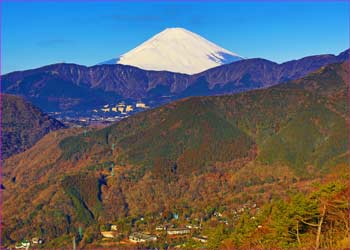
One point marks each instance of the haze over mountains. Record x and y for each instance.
(177, 50)
(61, 87)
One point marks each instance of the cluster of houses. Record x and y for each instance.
(143, 237)
(122, 107)
(244, 208)
(26, 243)
(175, 233)
(168, 230)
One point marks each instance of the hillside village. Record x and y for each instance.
(172, 230)
(105, 114)
(122, 108)
(166, 230)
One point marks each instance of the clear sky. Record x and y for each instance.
(40, 33)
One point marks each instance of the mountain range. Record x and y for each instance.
(237, 150)
(192, 157)
(60, 87)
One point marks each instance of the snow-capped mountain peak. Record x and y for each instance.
(177, 50)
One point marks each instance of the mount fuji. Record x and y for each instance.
(176, 50)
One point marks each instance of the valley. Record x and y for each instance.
(103, 115)
(245, 170)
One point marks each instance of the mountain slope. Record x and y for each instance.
(74, 87)
(22, 125)
(286, 112)
(189, 156)
(177, 50)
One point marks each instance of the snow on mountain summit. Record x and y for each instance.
(177, 50)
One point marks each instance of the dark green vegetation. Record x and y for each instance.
(84, 192)
(203, 160)
(22, 125)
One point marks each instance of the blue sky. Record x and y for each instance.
(40, 33)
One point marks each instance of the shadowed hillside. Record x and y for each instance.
(23, 125)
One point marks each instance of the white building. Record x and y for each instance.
(129, 108)
(141, 237)
(121, 109)
(109, 234)
(178, 231)
(141, 105)
(202, 239)
(37, 240)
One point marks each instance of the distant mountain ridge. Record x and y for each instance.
(71, 87)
